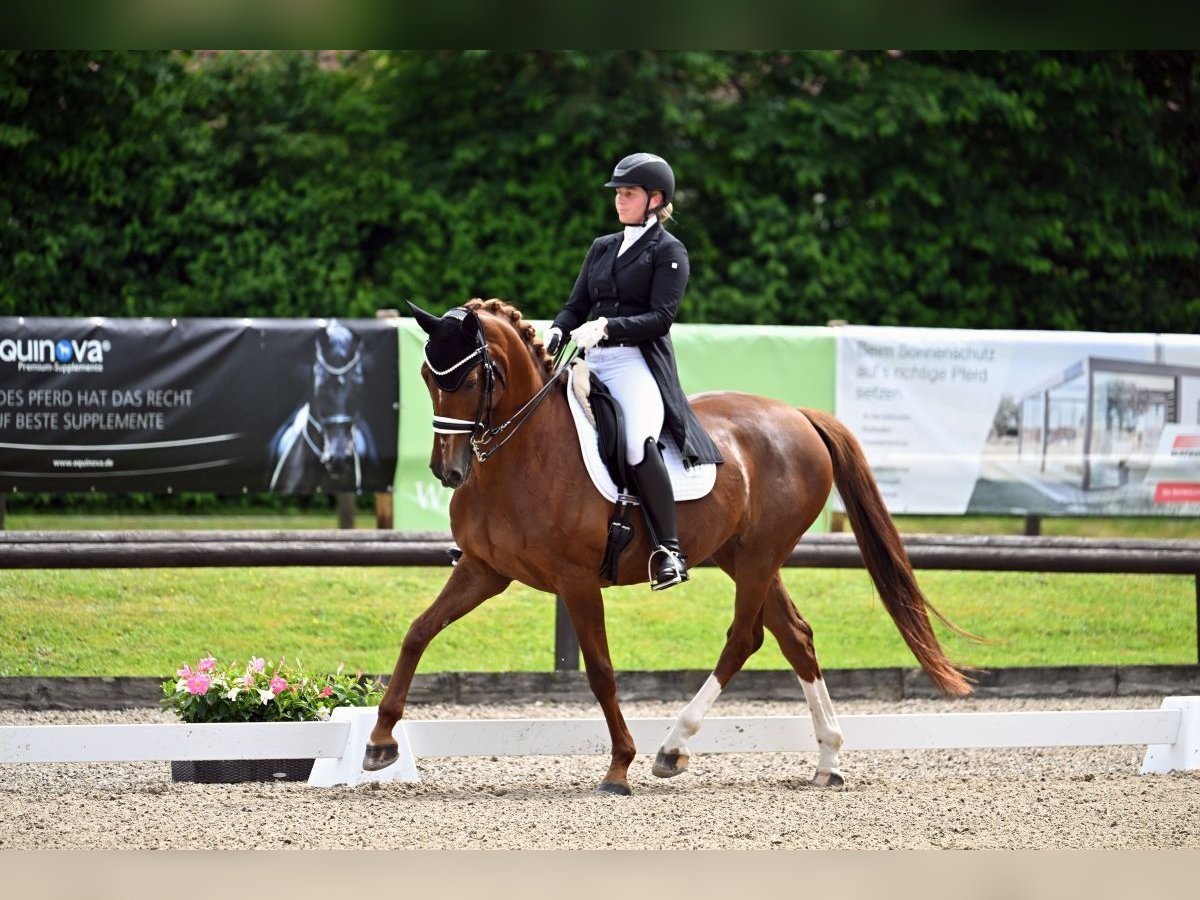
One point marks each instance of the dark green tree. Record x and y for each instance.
(1016, 189)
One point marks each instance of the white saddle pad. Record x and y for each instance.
(689, 484)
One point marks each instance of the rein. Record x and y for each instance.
(528, 409)
(483, 434)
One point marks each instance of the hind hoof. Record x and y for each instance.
(828, 780)
(379, 756)
(616, 788)
(668, 765)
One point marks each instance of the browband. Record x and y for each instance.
(440, 372)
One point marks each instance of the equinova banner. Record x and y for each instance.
(223, 405)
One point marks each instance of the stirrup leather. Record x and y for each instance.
(674, 560)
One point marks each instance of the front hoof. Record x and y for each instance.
(828, 780)
(668, 765)
(616, 788)
(379, 756)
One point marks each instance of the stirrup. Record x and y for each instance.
(675, 560)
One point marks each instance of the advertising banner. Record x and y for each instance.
(792, 364)
(1007, 422)
(224, 405)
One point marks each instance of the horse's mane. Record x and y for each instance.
(524, 330)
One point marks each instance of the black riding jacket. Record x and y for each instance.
(639, 293)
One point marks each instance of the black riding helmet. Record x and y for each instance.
(645, 170)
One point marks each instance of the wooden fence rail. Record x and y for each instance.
(187, 549)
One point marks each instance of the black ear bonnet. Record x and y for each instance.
(455, 347)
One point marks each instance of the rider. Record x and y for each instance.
(631, 282)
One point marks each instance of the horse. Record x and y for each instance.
(524, 509)
(325, 445)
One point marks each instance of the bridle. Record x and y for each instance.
(323, 423)
(481, 429)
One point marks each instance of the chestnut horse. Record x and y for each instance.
(530, 514)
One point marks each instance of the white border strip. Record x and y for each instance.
(560, 737)
(140, 743)
(1172, 735)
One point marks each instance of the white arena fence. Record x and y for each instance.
(1171, 735)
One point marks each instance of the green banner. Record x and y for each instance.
(795, 365)
(419, 501)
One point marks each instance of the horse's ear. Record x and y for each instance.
(428, 321)
(471, 326)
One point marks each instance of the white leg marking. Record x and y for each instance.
(825, 725)
(688, 722)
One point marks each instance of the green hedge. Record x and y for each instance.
(985, 190)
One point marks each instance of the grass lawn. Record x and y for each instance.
(147, 622)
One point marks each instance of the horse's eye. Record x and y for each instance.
(471, 382)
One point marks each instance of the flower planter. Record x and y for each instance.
(230, 711)
(231, 771)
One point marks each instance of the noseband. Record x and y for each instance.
(451, 379)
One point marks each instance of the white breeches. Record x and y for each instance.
(624, 372)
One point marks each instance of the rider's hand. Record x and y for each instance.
(589, 334)
(552, 338)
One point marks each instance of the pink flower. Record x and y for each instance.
(278, 685)
(248, 681)
(257, 664)
(185, 672)
(198, 684)
(207, 664)
(328, 692)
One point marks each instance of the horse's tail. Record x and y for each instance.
(884, 554)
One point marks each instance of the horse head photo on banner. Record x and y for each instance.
(326, 444)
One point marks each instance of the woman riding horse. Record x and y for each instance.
(632, 283)
(500, 415)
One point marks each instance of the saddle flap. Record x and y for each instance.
(610, 431)
(689, 483)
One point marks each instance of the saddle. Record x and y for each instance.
(601, 429)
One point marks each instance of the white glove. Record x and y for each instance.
(552, 337)
(589, 334)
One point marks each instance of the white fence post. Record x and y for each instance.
(1184, 754)
(347, 769)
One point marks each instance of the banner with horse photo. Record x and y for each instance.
(297, 406)
(1025, 422)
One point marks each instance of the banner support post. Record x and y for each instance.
(384, 511)
(566, 643)
(345, 510)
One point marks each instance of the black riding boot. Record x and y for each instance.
(658, 504)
